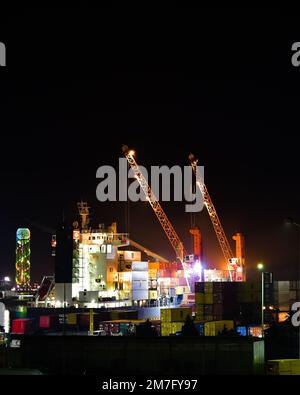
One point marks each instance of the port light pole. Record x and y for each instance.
(260, 267)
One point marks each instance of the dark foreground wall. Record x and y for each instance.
(126, 355)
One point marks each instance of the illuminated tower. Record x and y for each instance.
(23, 258)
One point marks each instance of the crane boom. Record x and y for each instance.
(158, 210)
(147, 251)
(221, 236)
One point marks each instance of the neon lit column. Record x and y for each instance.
(23, 258)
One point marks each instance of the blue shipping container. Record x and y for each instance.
(242, 330)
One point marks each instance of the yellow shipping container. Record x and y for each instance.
(175, 315)
(169, 328)
(71, 319)
(208, 317)
(283, 367)
(199, 298)
(152, 294)
(179, 290)
(213, 328)
(152, 273)
(153, 265)
(208, 298)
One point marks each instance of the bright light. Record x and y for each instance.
(260, 266)
(197, 267)
(7, 279)
(239, 270)
(131, 152)
(57, 303)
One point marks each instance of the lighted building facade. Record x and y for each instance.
(23, 258)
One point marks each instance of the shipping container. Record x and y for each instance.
(153, 294)
(218, 317)
(242, 330)
(23, 326)
(217, 286)
(21, 312)
(72, 319)
(178, 314)
(208, 287)
(208, 309)
(169, 328)
(215, 328)
(200, 328)
(153, 266)
(199, 297)
(199, 308)
(283, 367)
(217, 298)
(124, 314)
(208, 298)
(255, 331)
(199, 287)
(48, 321)
(218, 309)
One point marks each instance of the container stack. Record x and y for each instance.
(216, 301)
(249, 292)
(199, 301)
(172, 319)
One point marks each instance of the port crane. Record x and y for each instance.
(159, 212)
(234, 264)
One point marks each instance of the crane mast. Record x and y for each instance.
(225, 246)
(161, 215)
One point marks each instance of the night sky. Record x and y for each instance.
(219, 83)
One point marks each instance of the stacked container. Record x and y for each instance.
(216, 301)
(172, 319)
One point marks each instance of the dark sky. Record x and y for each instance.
(80, 83)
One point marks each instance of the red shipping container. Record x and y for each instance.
(21, 326)
(48, 321)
